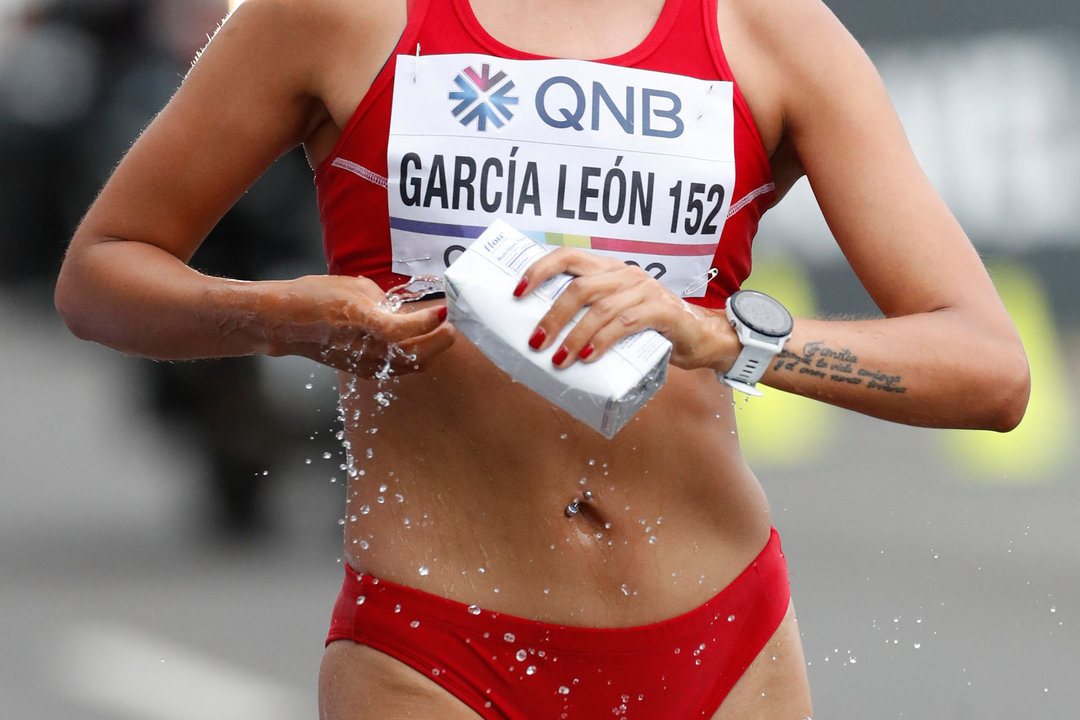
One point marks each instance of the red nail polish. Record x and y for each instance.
(521, 287)
(537, 338)
(559, 356)
(586, 351)
(441, 313)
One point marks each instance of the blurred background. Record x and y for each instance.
(169, 545)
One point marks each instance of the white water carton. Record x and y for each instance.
(603, 394)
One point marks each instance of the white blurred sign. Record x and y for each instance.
(993, 121)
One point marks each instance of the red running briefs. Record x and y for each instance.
(511, 668)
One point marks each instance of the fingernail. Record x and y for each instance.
(521, 287)
(537, 338)
(441, 312)
(586, 351)
(559, 356)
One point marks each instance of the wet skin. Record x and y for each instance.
(478, 501)
(484, 469)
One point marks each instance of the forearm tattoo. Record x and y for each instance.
(839, 366)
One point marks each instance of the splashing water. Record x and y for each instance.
(416, 288)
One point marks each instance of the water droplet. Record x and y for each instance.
(414, 624)
(563, 690)
(308, 386)
(509, 637)
(383, 488)
(918, 645)
(731, 618)
(521, 655)
(652, 539)
(360, 600)
(474, 609)
(364, 544)
(397, 608)
(531, 670)
(852, 659)
(424, 571)
(1053, 609)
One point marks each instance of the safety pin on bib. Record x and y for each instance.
(417, 63)
(705, 102)
(691, 288)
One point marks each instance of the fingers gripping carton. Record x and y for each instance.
(603, 394)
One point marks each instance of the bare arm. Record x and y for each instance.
(945, 354)
(254, 94)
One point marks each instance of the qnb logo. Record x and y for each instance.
(483, 97)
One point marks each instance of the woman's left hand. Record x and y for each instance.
(623, 299)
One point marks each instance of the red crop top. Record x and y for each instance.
(352, 183)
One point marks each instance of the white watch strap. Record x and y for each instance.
(751, 364)
(738, 385)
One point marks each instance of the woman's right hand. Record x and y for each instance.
(346, 323)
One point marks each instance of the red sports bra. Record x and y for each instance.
(352, 183)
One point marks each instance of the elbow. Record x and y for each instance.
(1011, 389)
(71, 304)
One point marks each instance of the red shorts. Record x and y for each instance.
(511, 668)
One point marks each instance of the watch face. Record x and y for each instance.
(761, 313)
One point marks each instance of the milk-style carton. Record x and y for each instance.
(603, 394)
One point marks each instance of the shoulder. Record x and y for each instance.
(310, 33)
(805, 77)
(314, 53)
(806, 54)
(301, 16)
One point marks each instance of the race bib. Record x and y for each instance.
(633, 164)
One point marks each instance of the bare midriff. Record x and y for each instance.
(466, 489)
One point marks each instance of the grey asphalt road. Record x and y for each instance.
(921, 593)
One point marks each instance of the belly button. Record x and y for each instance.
(575, 505)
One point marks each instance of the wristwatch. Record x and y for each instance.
(763, 326)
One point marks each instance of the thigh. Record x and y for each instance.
(359, 683)
(775, 686)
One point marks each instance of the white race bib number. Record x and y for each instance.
(634, 164)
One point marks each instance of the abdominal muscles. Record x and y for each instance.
(467, 485)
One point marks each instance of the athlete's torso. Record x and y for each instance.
(461, 481)
(651, 156)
